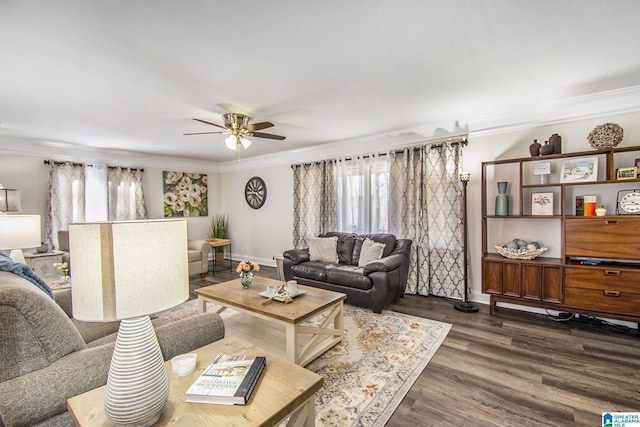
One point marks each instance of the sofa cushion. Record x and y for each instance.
(345, 245)
(389, 241)
(323, 249)
(348, 275)
(371, 251)
(312, 270)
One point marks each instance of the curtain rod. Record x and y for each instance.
(462, 140)
(48, 162)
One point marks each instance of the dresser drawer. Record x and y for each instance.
(602, 237)
(606, 301)
(603, 278)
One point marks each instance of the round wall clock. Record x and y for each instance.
(629, 202)
(255, 192)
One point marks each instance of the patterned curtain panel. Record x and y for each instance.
(426, 206)
(73, 186)
(126, 198)
(313, 201)
(406, 213)
(65, 201)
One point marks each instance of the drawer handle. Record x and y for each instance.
(610, 221)
(611, 272)
(611, 293)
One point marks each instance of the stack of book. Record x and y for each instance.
(229, 380)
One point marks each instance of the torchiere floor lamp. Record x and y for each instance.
(465, 305)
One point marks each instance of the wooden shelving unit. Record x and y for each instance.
(568, 281)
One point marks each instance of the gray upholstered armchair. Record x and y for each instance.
(47, 357)
(199, 257)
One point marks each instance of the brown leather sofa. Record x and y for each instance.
(374, 285)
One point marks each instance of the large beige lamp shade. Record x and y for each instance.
(19, 232)
(126, 271)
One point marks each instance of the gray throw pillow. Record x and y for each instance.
(323, 249)
(371, 251)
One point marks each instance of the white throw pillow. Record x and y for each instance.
(324, 249)
(371, 251)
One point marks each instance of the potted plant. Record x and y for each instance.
(219, 224)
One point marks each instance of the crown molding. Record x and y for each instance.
(614, 102)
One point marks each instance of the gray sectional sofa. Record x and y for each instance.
(374, 284)
(46, 356)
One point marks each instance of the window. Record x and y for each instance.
(362, 195)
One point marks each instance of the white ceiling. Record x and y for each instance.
(129, 75)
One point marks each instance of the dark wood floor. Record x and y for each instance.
(516, 369)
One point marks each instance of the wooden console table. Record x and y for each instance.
(284, 389)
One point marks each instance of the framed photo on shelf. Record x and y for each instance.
(541, 203)
(627, 173)
(580, 169)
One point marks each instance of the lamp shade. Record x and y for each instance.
(19, 231)
(128, 269)
(9, 200)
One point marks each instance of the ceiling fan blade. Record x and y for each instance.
(209, 123)
(201, 133)
(259, 126)
(267, 135)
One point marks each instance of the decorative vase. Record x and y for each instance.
(502, 200)
(556, 142)
(245, 279)
(534, 148)
(546, 149)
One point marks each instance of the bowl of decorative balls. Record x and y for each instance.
(520, 249)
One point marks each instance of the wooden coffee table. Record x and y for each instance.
(303, 341)
(284, 389)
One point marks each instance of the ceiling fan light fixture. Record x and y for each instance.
(246, 143)
(232, 142)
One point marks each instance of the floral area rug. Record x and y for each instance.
(369, 373)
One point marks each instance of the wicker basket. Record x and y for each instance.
(518, 253)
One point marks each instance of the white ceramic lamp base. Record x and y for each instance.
(138, 386)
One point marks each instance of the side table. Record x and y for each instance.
(284, 389)
(220, 243)
(42, 264)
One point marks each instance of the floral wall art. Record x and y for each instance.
(185, 194)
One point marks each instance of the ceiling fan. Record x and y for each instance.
(238, 128)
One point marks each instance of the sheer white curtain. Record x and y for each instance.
(96, 200)
(362, 191)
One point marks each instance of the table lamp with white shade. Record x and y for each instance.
(19, 232)
(126, 271)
